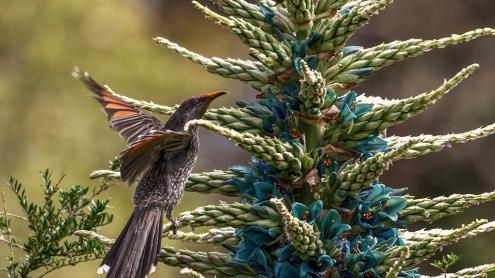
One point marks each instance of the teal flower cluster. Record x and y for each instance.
(373, 215)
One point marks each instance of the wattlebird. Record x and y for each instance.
(161, 156)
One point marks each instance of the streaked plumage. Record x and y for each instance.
(163, 155)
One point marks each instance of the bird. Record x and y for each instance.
(159, 155)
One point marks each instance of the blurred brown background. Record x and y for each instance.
(48, 121)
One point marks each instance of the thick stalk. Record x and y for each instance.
(313, 137)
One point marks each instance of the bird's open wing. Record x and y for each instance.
(122, 117)
(141, 155)
(141, 131)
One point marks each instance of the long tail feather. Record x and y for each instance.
(135, 253)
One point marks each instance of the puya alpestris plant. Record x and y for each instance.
(311, 203)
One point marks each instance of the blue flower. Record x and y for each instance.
(389, 236)
(370, 145)
(289, 265)
(346, 106)
(316, 266)
(257, 236)
(361, 258)
(264, 192)
(286, 270)
(308, 214)
(258, 185)
(255, 257)
(375, 208)
(253, 247)
(331, 226)
(392, 207)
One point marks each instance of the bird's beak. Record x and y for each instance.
(213, 95)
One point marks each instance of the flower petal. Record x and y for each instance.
(299, 210)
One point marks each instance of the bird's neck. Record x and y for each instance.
(176, 122)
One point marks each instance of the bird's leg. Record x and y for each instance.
(174, 221)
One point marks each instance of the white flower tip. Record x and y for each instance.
(103, 269)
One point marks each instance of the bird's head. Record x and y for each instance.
(195, 107)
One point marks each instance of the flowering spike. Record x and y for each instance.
(209, 263)
(480, 271)
(279, 154)
(396, 260)
(336, 31)
(328, 8)
(240, 119)
(107, 174)
(398, 111)
(235, 215)
(191, 273)
(253, 73)
(423, 249)
(220, 20)
(301, 13)
(356, 177)
(346, 69)
(375, 100)
(213, 236)
(303, 236)
(432, 234)
(313, 90)
(426, 248)
(206, 182)
(242, 9)
(186, 53)
(429, 210)
(255, 37)
(268, 62)
(434, 143)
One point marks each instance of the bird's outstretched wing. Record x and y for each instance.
(141, 131)
(139, 156)
(122, 117)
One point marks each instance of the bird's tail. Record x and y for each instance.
(135, 253)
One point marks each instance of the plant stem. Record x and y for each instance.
(312, 137)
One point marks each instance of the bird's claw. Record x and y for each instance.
(175, 224)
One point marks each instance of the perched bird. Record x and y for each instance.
(162, 156)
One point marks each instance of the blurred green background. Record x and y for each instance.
(47, 119)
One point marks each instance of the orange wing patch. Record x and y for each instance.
(114, 107)
(105, 96)
(122, 113)
(130, 122)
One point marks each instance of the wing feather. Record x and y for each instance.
(142, 154)
(141, 131)
(125, 119)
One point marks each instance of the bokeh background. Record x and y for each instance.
(47, 119)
